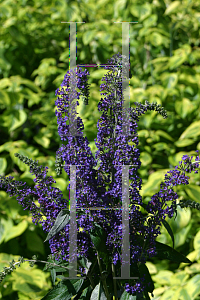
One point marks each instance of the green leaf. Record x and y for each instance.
(16, 230)
(181, 293)
(145, 158)
(151, 21)
(169, 230)
(176, 60)
(127, 296)
(65, 290)
(88, 36)
(152, 185)
(182, 220)
(151, 267)
(53, 275)
(7, 224)
(196, 241)
(4, 98)
(173, 7)
(181, 236)
(169, 80)
(143, 133)
(98, 238)
(17, 36)
(98, 293)
(30, 85)
(42, 140)
(2, 230)
(62, 220)
(164, 134)
(8, 146)
(192, 131)
(148, 280)
(5, 82)
(86, 294)
(187, 79)
(184, 143)
(146, 295)
(180, 277)
(3, 165)
(156, 39)
(85, 263)
(163, 277)
(161, 146)
(141, 11)
(60, 183)
(118, 7)
(104, 37)
(184, 107)
(166, 252)
(192, 287)
(98, 74)
(18, 119)
(193, 192)
(34, 242)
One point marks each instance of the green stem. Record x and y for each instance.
(114, 281)
(46, 262)
(103, 278)
(89, 275)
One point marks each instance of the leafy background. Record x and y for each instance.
(34, 57)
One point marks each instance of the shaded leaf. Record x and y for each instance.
(193, 192)
(169, 230)
(166, 252)
(62, 220)
(98, 237)
(3, 165)
(16, 230)
(18, 118)
(192, 131)
(148, 280)
(98, 293)
(127, 296)
(65, 290)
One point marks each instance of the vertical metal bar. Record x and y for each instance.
(72, 81)
(73, 226)
(125, 269)
(125, 77)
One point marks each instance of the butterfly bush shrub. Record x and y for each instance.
(99, 184)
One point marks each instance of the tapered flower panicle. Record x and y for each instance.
(158, 206)
(50, 199)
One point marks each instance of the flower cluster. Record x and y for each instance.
(113, 152)
(158, 205)
(50, 199)
(101, 186)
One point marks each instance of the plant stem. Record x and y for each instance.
(46, 262)
(89, 275)
(114, 281)
(103, 278)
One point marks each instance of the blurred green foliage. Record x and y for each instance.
(34, 57)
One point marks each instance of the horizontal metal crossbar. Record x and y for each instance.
(97, 208)
(99, 65)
